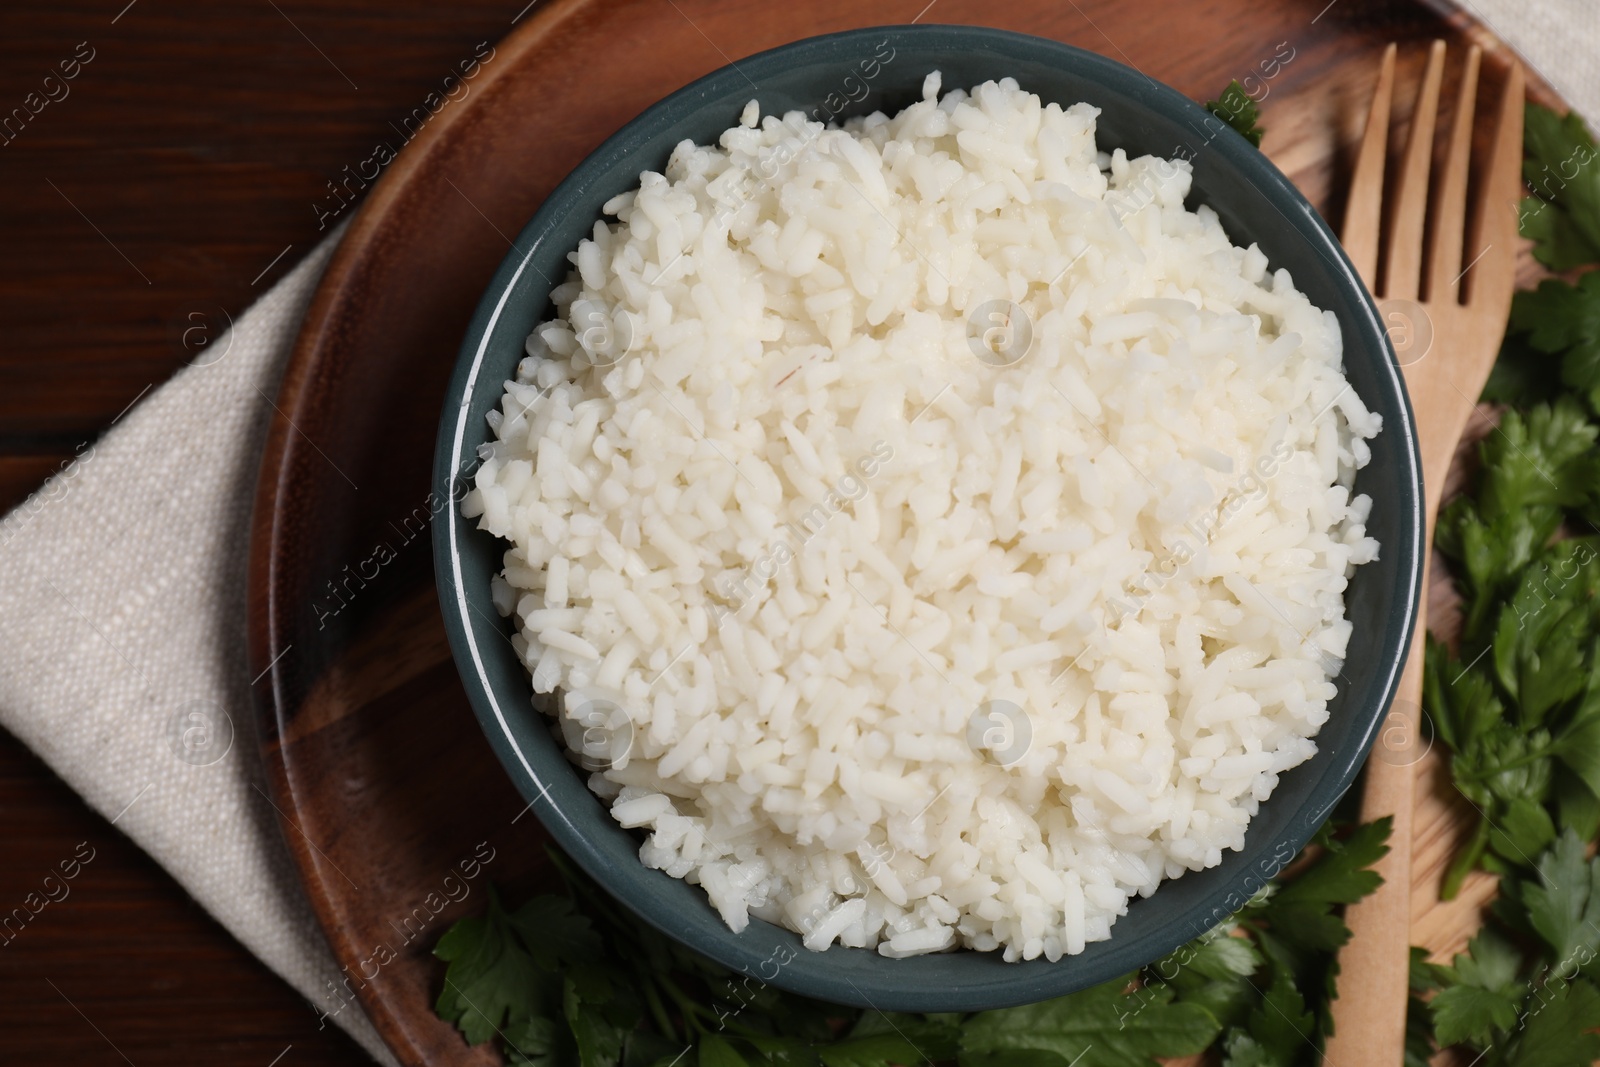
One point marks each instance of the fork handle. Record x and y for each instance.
(1369, 1015)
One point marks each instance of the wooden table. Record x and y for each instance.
(172, 180)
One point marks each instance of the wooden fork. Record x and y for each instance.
(1446, 322)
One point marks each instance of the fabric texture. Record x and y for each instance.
(122, 644)
(1559, 39)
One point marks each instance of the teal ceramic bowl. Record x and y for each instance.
(821, 75)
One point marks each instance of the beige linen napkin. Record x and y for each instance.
(122, 586)
(1559, 39)
(122, 639)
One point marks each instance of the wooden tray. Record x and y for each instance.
(394, 807)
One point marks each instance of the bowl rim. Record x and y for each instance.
(808, 976)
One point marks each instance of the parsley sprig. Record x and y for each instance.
(572, 980)
(1518, 704)
(1240, 111)
(1563, 216)
(1524, 993)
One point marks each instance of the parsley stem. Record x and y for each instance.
(1465, 861)
(658, 1010)
(731, 1022)
(1522, 761)
(697, 1010)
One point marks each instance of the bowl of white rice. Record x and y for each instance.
(936, 518)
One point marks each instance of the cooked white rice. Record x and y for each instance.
(902, 639)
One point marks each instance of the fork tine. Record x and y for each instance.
(1450, 209)
(1494, 216)
(1363, 211)
(1402, 270)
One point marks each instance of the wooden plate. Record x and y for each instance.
(394, 807)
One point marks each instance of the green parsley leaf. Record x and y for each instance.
(717, 1051)
(599, 1032)
(556, 932)
(1093, 1028)
(1214, 971)
(1557, 1031)
(1491, 962)
(1563, 322)
(647, 1049)
(1563, 215)
(1503, 765)
(1523, 827)
(1556, 315)
(532, 1043)
(1022, 1057)
(1466, 1013)
(1487, 994)
(1242, 1050)
(490, 977)
(1281, 1024)
(1424, 978)
(1522, 375)
(1341, 875)
(1577, 807)
(1532, 467)
(1557, 243)
(1579, 748)
(1564, 905)
(1239, 111)
(1224, 958)
(879, 1040)
(1461, 700)
(1543, 639)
